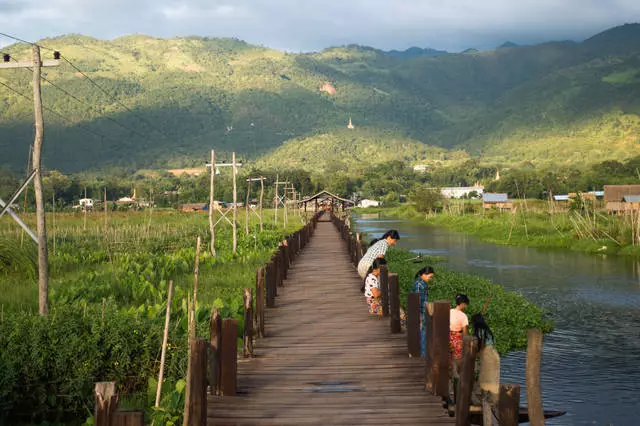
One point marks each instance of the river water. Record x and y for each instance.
(591, 361)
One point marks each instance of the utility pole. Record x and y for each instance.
(43, 262)
(249, 181)
(212, 223)
(278, 200)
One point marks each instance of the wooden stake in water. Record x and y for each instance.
(105, 210)
(246, 208)
(53, 210)
(163, 355)
(261, 196)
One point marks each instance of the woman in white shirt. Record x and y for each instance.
(377, 251)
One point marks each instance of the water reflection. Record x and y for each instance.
(590, 361)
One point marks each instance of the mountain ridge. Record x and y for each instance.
(189, 94)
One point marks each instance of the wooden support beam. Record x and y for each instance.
(394, 304)
(509, 404)
(248, 323)
(107, 402)
(440, 344)
(384, 289)
(229, 376)
(128, 418)
(413, 324)
(465, 383)
(197, 402)
(270, 282)
(215, 343)
(534, 395)
(260, 301)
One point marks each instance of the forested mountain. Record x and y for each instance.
(556, 102)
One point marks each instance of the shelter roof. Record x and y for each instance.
(327, 193)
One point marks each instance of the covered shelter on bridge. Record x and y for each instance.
(326, 200)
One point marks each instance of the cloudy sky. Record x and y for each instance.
(304, 25)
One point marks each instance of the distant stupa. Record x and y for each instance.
(350, 125)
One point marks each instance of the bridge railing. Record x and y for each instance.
(436, 362)
(214, 362)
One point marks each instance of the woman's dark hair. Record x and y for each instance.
(377, 262)
(392, 233)
(481, 330)
(461, 298)
(426, 270)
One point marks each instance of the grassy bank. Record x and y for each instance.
(578, 231)
(509, 314)
(108, 293)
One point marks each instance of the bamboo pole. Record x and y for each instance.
(246, 207)
(235, 205)
(196, 272)
(84, 226)
(53, 220)
(261, 197)
(164, 343)
(211, 202)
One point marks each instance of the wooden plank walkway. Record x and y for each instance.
(325, 359)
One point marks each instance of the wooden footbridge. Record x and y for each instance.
(324, 359)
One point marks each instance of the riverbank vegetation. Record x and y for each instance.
(509, 314)
(108, 296)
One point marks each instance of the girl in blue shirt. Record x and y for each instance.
(423, 276)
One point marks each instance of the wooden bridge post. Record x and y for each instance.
(248, 323)
(282, 273)
(270, 284)
(228, 382)
(429, 308)
(197, 402)
(128, 418)
(534, 397)
(215, 336)
(394, 304)
(284, 260)
(277, 273)
(413, 324)
(384, 289)
(260, 302)
(439, 345)
(465, 383)
(107, 402)
(509, 404)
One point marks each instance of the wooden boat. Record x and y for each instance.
(523, 416)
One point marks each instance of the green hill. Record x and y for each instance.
(553, 102)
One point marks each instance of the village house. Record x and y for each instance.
(496, 201)
(462, 191)
(368, 203)
(622, 198)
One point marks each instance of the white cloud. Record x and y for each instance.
(314, 24)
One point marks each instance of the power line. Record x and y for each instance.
(84, 102)
(96, 85)
(86, 129)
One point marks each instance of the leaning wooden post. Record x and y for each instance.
(440, 344)
(215, 337)
(163, 355)
(228, 382)
(509, 404)
(107, 402)
(248, 323)
(394, 304)
(534, 397)
(465, 384)
(260, 302)
(196, 404)
(413, 325)
(384, 289)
